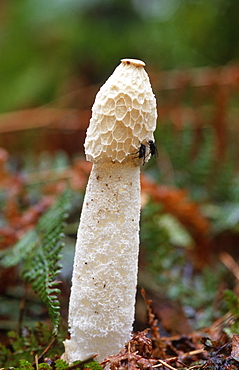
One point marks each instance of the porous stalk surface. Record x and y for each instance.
(103, 291)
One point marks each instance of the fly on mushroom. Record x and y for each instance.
(141, 152)
(152, 148)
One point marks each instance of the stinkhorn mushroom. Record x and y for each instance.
(101, 309)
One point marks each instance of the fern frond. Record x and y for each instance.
(25, 365)
(40, 251)
(15, 255)
(42, 265)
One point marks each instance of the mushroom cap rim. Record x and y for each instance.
(136, 62)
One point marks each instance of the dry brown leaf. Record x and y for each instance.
(235, 347)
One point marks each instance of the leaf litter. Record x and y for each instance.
(148, 350)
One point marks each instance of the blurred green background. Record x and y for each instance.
(49, 48)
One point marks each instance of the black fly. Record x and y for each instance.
(141, 152)
(152, 148)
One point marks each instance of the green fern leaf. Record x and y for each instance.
(93, 365)
(42, 265)
(44, 366)
(25, 365)
(21, 249)
(39, 250)
(61, 364)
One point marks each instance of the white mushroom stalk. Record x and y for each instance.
(102, 301)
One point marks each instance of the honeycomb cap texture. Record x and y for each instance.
(123, 115)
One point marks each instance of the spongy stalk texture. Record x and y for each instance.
(101, 310)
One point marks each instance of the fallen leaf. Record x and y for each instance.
(235, 347)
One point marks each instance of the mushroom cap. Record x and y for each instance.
(124, 115)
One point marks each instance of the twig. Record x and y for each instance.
(222, 347)
(194, 352)
(129, 363)
(21, 309)
(37, 358)
(230, 263)
(165, 364)
(36, 362)
(81, 364)
(183, 356)
(47, 348)
(153, 322)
